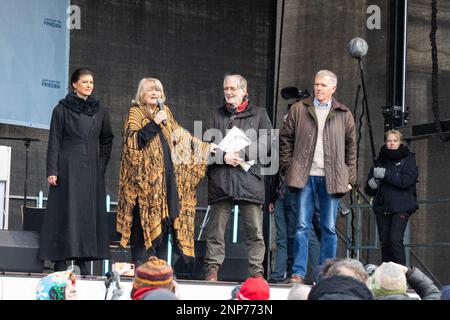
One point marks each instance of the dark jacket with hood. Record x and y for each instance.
(396, 192)
(234, 183)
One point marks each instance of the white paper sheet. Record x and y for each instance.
(235, 141)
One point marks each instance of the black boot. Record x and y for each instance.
(60, 265)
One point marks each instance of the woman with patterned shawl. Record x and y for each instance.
(161, 167)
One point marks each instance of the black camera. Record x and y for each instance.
(294, 93)
(394, 117)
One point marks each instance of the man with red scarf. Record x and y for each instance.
(229, 184)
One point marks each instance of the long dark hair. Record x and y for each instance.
(76, 75)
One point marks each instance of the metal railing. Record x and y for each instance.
(353, 238)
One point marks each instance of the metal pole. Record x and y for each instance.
(405, 47)
(358, 235)
(25, 187)
(235, 223)
(40, 200)
(366, 106)
(348, 236)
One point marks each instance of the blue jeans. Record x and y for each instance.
(285, 220)
(314, 244)
(314, 189)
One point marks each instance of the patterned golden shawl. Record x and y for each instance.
(142, 177)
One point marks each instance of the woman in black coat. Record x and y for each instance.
(75, 226)
(393, 183)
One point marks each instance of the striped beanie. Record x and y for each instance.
(153, 274)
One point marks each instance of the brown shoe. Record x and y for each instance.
(295, 279)
(211, 273)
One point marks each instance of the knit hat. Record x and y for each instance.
(340, 288)
(445, 293)
(254, 289)
(153, 274)
(388, 279)
(53, 286)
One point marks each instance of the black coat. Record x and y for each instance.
(79, 147)
(228, 182)
(397, 190)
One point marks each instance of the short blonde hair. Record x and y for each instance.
(241, 81)
(395, 133)
(332, 75)
(144, 85)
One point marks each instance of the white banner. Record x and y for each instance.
(34, 60)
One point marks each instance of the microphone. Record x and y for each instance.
(357, 48)
(161, 107)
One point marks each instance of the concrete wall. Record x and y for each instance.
(430, 223)
(315, 36)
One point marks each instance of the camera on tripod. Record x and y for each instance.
(394, 117)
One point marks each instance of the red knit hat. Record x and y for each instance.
(254, 289)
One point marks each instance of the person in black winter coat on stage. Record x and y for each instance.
(229, 184)
(75, 226)
(392, 183)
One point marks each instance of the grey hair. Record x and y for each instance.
(143, 86)
(349, 267)
(241, 81)
(332, 75)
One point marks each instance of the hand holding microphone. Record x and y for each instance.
(161, 116)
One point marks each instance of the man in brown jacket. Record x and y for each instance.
(318, 155)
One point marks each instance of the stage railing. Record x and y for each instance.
(355, 245)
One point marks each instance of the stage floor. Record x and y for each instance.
(22, 286)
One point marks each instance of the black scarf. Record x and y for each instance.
(393, 155)
(75, 103)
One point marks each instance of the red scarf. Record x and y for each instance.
(238, 109)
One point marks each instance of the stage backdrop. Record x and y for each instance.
(34, 60)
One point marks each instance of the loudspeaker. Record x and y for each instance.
(19, 251)
(32, 218)
(234, 267)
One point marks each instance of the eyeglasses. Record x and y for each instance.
(232, 89)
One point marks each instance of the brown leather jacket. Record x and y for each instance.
(298, 141)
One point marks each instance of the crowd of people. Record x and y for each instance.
(162, 165)
(338, 279)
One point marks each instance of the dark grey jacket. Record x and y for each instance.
(228, 182)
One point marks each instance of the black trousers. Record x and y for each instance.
(139, 254)
(391, 230)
